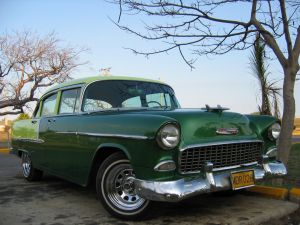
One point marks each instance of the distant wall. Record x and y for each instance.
(297, 125)
(5, 133)
(4, 141)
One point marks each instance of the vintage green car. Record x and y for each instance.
(132, 139)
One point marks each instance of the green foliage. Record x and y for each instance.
(23, 116)
(269, 91)
(255, 113)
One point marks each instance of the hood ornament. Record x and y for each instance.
(215, 109)
(227, 131)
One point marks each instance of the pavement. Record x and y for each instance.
(53, 201)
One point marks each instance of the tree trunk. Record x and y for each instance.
(285, 140)
(265, 106)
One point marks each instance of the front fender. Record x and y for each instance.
(120, 147)
(261, 125)
(133, 134)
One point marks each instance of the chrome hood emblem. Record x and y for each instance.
(227, 131)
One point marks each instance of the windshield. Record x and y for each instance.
(110, 94)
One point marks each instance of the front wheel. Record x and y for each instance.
(29, 172)
(115, 188)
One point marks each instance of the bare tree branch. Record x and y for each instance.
(30, 62)
(11, 112)
(296, 49)
(285, 23)
(196, 19)
(198, 28)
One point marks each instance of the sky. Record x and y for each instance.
(226, 80)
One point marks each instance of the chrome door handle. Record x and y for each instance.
(51, 120)
(34, 121)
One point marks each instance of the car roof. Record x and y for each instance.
(89, 80)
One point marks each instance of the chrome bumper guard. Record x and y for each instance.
(174, 191)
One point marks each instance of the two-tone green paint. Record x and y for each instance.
(89, 80)
(68, 143)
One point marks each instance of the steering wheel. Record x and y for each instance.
(155, 103)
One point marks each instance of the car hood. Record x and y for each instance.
(200, 126)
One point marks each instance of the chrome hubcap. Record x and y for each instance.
(26, 164)
(120, 188)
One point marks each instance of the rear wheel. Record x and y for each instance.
(116, 190)
(29, 172)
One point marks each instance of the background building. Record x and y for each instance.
(5, 132)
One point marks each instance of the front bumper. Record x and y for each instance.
(174, 191)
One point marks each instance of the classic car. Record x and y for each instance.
(131, 138)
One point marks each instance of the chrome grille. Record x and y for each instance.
(221, 155)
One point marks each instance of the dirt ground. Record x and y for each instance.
(292, 219)
(53, 201)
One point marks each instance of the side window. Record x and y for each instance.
(94, 105)
(49, 105)
(168, 99)
(132, 102)
(69, 102)
(157, 99)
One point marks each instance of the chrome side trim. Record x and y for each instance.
(219, 143)
(29, 140)
(163, 162)
(271, 151)
(66, 132)
(136, 137)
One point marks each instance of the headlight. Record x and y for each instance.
(168, 136)
(274, 131)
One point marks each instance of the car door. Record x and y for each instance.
(62, 141)
(27, 131)
(47, 116)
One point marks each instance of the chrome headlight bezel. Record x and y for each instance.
(168, 136)
(274, 131)
(272, 153)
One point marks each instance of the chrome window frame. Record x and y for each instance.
(57, 92)
(66, 89)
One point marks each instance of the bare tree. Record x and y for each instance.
(269, 91)
(29, 62)
(200, 27)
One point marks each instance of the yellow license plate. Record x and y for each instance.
(242, 179)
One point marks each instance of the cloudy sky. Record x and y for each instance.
(224, 80)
